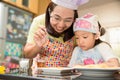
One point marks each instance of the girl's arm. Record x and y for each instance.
(113, 62)
(73, 60)
(109, 56)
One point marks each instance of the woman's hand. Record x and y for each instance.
(40, 36)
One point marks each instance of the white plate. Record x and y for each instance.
(57, 71)
(94, 78)
(98, 72)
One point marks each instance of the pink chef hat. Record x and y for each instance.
(88, 22)
(71, 4)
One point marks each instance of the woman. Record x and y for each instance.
(53, 42)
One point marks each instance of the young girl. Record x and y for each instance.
(90, 49)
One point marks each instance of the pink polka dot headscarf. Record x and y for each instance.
(88, 22)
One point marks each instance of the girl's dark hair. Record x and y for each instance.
(102, 32)
(68, 34)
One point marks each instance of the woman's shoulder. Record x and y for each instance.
(39, 20)
(42, 16)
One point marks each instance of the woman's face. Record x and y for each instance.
(85, 40)
(61, 18)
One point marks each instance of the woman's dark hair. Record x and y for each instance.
(102, 32)
(68, 34)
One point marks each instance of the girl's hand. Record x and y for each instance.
(114, 62)
(40, 36)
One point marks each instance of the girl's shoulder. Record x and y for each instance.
(77, 48)
(103, 45)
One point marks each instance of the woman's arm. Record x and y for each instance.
(31, 50)
(33, 44)
(40, 39)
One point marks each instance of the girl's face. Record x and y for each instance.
(85, 40)
(61, 18)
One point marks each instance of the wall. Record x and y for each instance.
(108, 11)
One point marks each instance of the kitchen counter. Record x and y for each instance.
(48, 77)
(17, 77)
(41, 77)
(75, 76)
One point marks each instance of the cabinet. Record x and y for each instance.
(42, 6)
(37, 7)
(28, 5)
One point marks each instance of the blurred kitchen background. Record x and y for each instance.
(16, 17)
